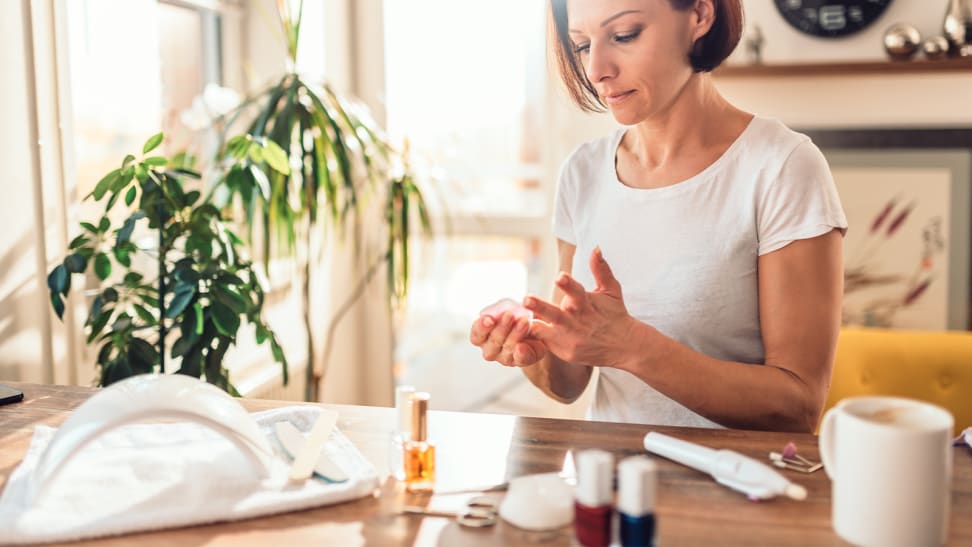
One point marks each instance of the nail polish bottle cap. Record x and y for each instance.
(637, 477)
(403, 410)
(420, 407)
(594, 474)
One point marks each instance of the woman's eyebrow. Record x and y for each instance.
(605, 22)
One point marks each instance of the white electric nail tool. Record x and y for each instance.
(747, 475)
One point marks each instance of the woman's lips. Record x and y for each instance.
(617, 97)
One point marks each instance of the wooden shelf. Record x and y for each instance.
(958, 64)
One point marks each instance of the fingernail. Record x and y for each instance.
(528, 301)
(597, 250)
(488, 322)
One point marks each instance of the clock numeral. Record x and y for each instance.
(855, 13)
(832, 17)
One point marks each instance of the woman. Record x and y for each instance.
(723, 231)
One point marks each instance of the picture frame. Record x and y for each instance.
(908, 198)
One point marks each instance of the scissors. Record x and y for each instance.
(478, 512)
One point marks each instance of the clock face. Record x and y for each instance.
(831, 18)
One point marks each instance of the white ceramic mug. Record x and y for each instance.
(890, 461)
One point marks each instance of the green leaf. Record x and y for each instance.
(104, 184)
(192, 364)
(229, 298)
(130, 196)
(116, 370)
(256, 153)
(128, 159)
(75, 263)
(145, 315)
(142, 355)
(152, 143)
(229, 279)
(109, 295)
(197, 307)
(122, 256)
(261, 334)
(156, 161)
(79, 241)
(102, 266)
(276, 158)
(89, 227)
(192, 197)
(104, 224)
(123, 323)
(179, 303)
(181, 346)
(104, 353)
(125, 232)
(227, 322)
(98, 325)
(57, 304)
(57, 280)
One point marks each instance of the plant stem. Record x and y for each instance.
(345, 308)
(312, 386)
(162, 274)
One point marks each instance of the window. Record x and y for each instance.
(465, 84)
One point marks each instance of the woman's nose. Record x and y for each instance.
(600, 66)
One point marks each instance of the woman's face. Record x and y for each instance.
(634, 52)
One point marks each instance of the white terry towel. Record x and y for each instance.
(152, 476)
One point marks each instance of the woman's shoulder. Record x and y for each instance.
(772, 135)
(595, 151)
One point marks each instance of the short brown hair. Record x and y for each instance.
(708, 52)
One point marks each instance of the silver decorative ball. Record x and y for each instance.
(935, 47)
(901, 41)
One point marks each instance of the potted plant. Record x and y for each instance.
(199, 289)
(309, 159)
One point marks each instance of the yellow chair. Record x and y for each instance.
(933, 366)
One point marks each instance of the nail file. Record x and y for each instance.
(307, 452)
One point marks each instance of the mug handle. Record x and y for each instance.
(826, 442)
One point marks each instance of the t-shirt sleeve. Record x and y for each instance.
(563, 222)
(801, 203)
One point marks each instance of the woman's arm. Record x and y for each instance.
(560, 380)
(800, 288)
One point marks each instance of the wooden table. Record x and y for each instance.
(479, 449)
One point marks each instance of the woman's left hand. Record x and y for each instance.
(588, 328)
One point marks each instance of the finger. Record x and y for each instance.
(528, 352)
(603, 276)
(543, 332)
(543, 310)
(480, 330)
(494, 344)
(575, 297)
(521, 327)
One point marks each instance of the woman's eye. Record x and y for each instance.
(622, 38)
(581, 48)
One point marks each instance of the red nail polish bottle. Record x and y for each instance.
(592, 506)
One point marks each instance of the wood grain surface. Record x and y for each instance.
(475, 450)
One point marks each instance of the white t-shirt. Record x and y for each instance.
(686, 254)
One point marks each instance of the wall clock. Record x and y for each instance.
(830, 18)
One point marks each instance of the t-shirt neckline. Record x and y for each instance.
(682, 185)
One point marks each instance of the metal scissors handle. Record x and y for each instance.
(478, 512)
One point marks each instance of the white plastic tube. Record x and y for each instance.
(742, 473)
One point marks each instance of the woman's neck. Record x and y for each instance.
(698, 118)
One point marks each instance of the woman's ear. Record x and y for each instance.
(703, 16)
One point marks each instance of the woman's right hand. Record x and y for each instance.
(506, 339)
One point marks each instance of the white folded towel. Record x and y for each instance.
(153, 476)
